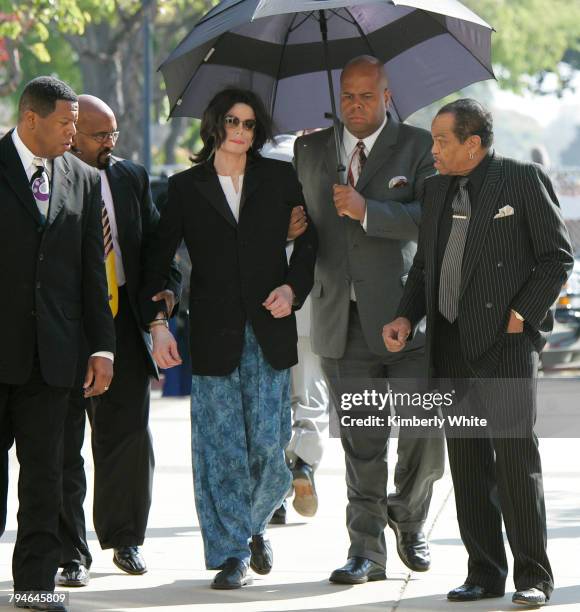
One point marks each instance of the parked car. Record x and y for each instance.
(562, 352)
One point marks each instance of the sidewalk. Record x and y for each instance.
(306, 550)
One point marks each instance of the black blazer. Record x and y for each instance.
(518, 261)
(137, 219)
(235, 265)
(53, 278)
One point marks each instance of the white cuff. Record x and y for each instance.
(364, 221)
(105, 354)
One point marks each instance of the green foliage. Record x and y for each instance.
(533, 38)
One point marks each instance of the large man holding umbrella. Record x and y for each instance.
(368, 230)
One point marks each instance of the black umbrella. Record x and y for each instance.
(290, 52)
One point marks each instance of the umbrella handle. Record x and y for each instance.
(340, 169)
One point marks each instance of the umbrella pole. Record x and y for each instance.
(340, 169)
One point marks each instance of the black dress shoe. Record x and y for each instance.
(530, 597)
(262, 556)
(233, 576)
(279, 516)
(412, 548)
(129, 559)
(471, 592)
(358, 570)
(305, 499)
(73, 575)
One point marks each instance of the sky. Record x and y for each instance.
(544, 108)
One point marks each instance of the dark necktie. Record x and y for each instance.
(450, 278)
(359, 158)
(40, 185)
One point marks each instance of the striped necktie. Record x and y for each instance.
(359, 158)
(40, 185)
(450, 279)
(113, 289)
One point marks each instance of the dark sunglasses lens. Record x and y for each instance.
(232, 121)
(250, 124)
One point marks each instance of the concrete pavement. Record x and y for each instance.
(306, 550)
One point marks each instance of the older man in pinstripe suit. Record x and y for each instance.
(492, 256)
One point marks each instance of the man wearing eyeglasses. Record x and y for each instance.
(121, 440)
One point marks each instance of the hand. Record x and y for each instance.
(298, 223)
(349, 202)
(165, 350)
(98, 377)
(279, 302)
(169, 298)
(514, 326)
(395, 334)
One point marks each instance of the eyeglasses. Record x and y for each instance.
(102, 137)
(233, 122)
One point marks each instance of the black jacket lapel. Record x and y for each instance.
(481, 219)
(438, 202)
(208, 184)
(122, 198)
(59, 186)
(15, 175)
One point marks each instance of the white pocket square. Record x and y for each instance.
(505, 211)
(398, 181)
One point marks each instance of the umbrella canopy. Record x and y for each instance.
(430, 48)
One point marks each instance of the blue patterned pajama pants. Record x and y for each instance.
(240, 426)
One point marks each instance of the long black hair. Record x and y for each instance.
(213, 131)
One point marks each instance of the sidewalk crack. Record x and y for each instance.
(428, 536)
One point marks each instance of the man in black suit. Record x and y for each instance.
(493, 255)
(51, 247)
(121, 440)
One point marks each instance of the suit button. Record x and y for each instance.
(33, 313)
(41, 257)
(489, 305)
(38, 285)
(500, 264)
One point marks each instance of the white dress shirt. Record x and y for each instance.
(27, 157)
(349, 150)
(232, 196)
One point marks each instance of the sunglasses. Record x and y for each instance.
(233, 122)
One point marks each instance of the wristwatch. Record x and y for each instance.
(517, 315)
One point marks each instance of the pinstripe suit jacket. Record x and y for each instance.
(518, 261)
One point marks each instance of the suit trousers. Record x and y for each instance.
(36, 413)
(309, 407)
(122, 451)
(420, 461)
(495, 476)
(6, 440)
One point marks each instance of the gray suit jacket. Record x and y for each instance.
(376, 261)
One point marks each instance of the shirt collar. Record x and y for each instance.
(25, 154)
(350, 141)
(477, 175)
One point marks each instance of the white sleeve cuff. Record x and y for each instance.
(105, 354)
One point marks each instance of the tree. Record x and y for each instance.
(28, 23)
(534, 38)
(106, 40)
